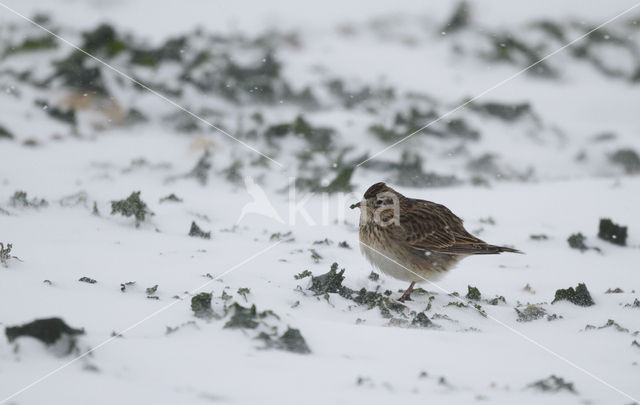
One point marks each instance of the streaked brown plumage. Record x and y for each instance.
(399, 233)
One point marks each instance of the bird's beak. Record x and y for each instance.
(356, 205)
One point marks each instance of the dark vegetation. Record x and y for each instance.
(473, 293)
(249, 72)
(5, 254)
(576, 241)
(553, 384)
(196, 232)
(612, 232)
(131, 206)
(579, 296)
(47, 330)
(331, 283)
(20, 200)
(171, 198)
(201, 305)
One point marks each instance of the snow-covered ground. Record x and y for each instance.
(551, 171)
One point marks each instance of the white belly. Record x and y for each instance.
(389, 264)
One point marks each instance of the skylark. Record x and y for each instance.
(414, 240)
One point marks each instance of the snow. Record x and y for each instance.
(357, 354)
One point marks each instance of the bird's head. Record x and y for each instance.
(379, 202)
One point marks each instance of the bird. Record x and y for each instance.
(414, 240)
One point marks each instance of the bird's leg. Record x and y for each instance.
(407, 294)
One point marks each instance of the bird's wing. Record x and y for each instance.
(427, 226)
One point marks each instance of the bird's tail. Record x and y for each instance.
(477, 249)
(503, 249)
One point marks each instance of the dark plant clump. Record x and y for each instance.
(151, 290)
(551, 28)
(374, 299)
(257, 81)
(4, 133)
(5, 254)
(285, 236)
(123, 286)
(460, 18)
(507, 48)
(201, 305)
(171, 198)
(77, 73)
(579, 296)
(201, 170)
(19, 200)
(496, 300)
(609, 324)
(324, 241)
(33, 44)
(635, 304)
(87, 280)
(473, 293)
(244, 291)
(628, 159)
(413, 119)
(104, 39)
(374, 276)
(151, 57)
(195, 231)
(553, 384)
(233, 173)
(246, 318)
(134, 116)
(342, 181)
(330, 282)
(47, 330)
(303, 274)
(408, 172)
(319, 139)
(315, 256)
(351, 96)
(505, 112)
(67, 116)
(576, 241)
(612, 232)
(539, 236)
(291, 341)
(131, 206)
(421, 320)
(530, 313)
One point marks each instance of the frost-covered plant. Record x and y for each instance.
(131, 206)
(5, 254)
(579, 296)
(20, 200)
(576, 241)
(195, 231)
(473, 293)
(553, 384)
(201, 305)
(612, 232)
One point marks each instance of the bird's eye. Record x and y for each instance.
(379, 202)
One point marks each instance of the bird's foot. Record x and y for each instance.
(407, 294)
(405, 297)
